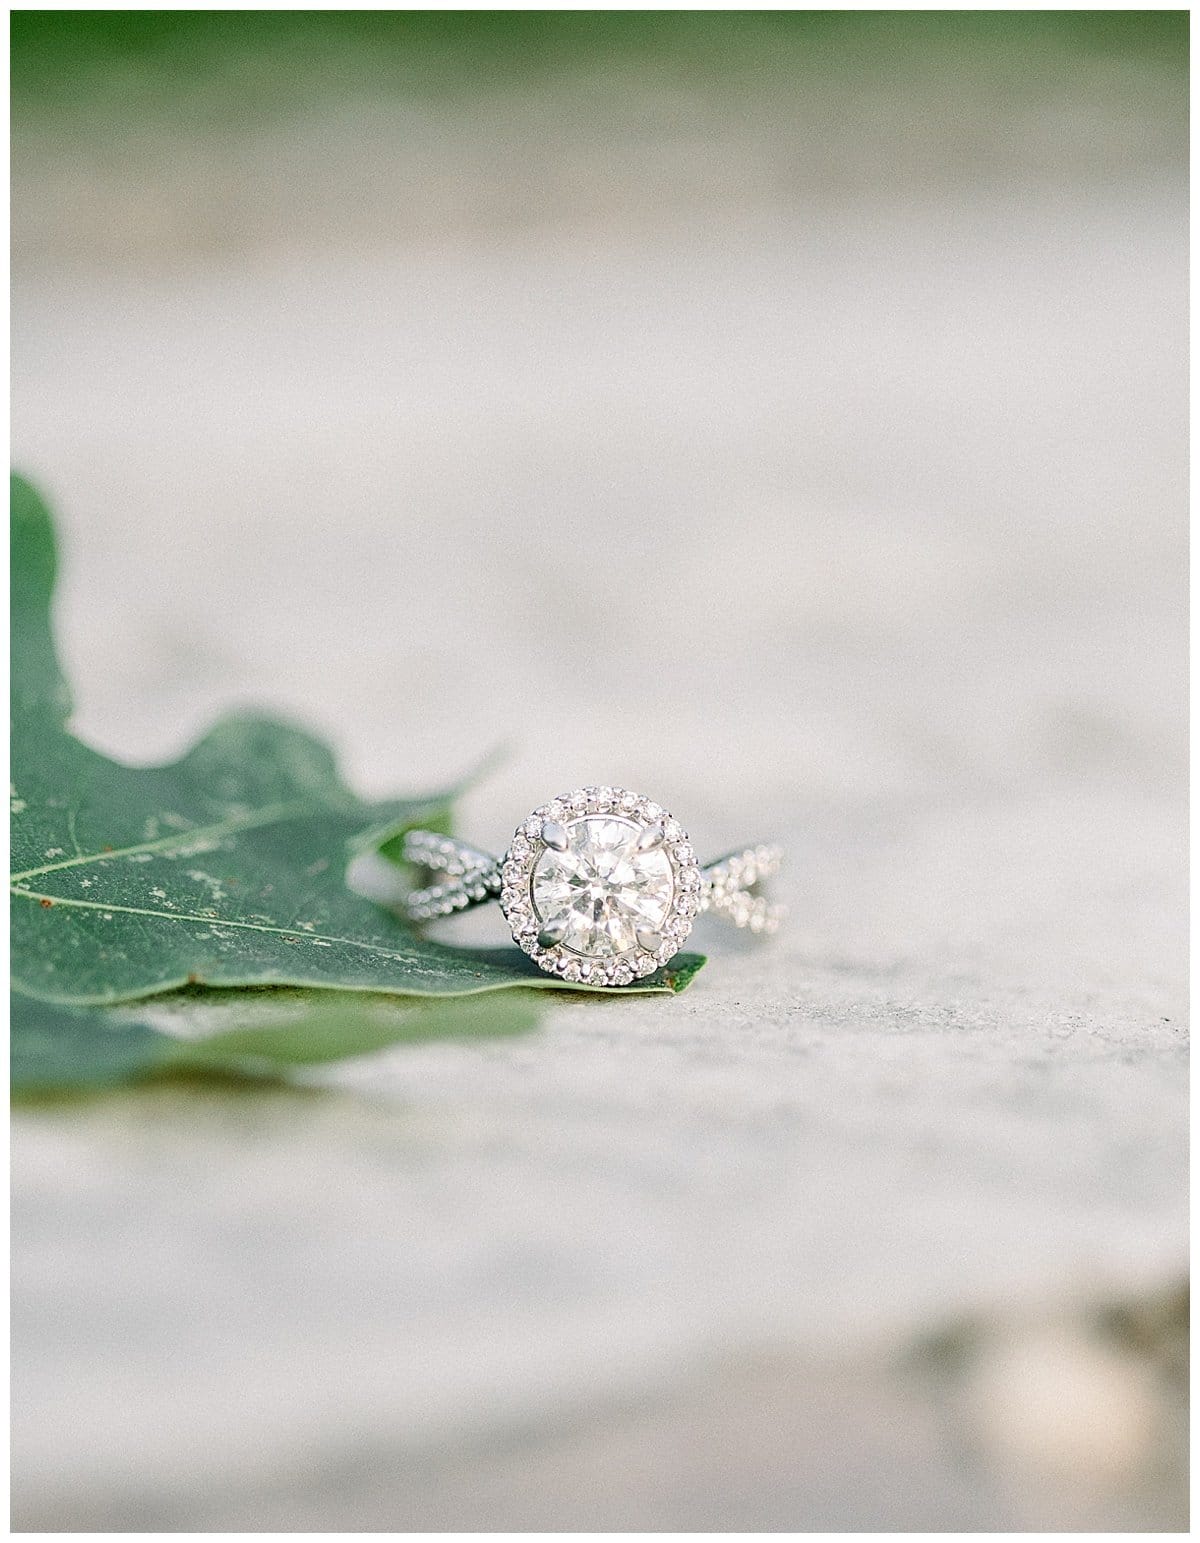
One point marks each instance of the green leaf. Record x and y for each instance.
(61, 1049)
(226, 868)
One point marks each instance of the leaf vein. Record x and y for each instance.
(295, 933)
(180, 838)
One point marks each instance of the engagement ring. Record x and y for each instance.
(601, 885)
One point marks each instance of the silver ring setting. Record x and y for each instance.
(599, 886)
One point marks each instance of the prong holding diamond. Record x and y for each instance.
(653, 836)
(552, 934)
(554, 835)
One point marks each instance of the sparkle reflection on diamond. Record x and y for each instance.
(602, 891)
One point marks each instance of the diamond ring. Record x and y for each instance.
(600, 885)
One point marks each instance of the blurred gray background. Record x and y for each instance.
(783, 415)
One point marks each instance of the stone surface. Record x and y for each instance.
(893, 389)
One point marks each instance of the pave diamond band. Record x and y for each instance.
(471, 876)
(600, 885)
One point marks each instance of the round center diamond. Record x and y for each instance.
(601, 892)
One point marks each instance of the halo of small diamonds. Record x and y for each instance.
(662, 835)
